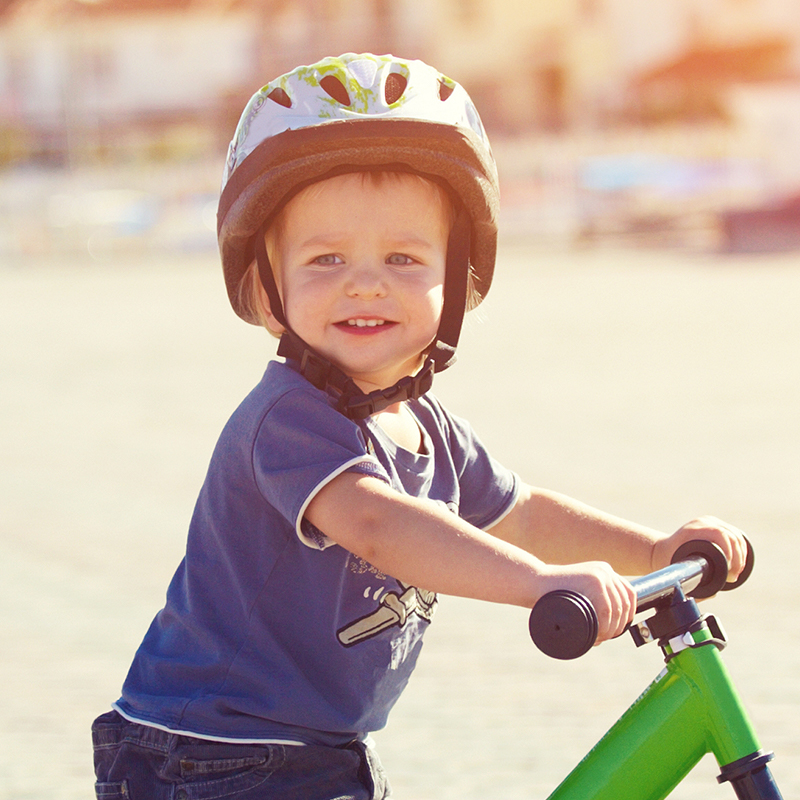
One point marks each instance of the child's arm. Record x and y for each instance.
(560, 530)
(421, 543)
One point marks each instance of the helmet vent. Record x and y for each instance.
(335, 88)
(394, 88)
(280, 97)
(445, 90)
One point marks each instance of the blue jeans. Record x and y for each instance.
(137, 762)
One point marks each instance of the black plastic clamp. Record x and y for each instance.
(744, 766)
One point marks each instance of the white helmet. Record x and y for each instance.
(352, 113)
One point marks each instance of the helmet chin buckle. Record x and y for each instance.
(409, 387)
(350, 400)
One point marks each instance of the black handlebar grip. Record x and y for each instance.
(716, 573)
(563, 624)
(716, 566)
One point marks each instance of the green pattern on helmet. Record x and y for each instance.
(363, 99)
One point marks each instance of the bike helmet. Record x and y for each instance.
(348, 114)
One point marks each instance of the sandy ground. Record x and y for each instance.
(658, 386)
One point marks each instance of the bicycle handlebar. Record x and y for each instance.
(563, 623)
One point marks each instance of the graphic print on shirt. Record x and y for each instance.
(394, 609)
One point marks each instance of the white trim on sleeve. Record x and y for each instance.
(508, 509)
(326, 542)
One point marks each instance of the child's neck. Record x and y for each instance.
(399, 423)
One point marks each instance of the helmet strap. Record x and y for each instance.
(350, 400)
(267, 277)
(454, 304)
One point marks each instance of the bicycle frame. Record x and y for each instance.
(690, 709)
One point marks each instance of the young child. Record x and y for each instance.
(357, 222)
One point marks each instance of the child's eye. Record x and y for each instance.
(400, 260)
(327, 260)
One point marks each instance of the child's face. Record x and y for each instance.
(360, 266)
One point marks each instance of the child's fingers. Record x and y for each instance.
(618, 608)
(732, 543)
(625, 606)
(612, 597)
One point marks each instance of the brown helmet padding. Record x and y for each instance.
(281, 164)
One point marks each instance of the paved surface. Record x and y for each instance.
(657, 386)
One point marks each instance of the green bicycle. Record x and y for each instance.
(690, 709)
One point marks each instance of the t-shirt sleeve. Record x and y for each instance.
(488, 490)
(301, 445)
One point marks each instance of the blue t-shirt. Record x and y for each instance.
(271, 631)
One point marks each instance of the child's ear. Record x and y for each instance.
(273, 325)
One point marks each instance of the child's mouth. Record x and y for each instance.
(364, 325)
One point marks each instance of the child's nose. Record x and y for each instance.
(366, 282)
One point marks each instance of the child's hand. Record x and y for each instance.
(613, 598)
(730, 540)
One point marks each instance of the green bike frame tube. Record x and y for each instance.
(690, 709)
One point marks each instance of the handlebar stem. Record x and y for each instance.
(657, 588)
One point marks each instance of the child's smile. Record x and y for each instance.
(365, 326)
(360, 262)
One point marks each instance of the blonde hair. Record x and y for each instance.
(252, 296)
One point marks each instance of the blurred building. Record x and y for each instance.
(571, 63)
(90, 75)
(605, 115)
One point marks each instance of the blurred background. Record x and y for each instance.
(675, 123)
(641, 338)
